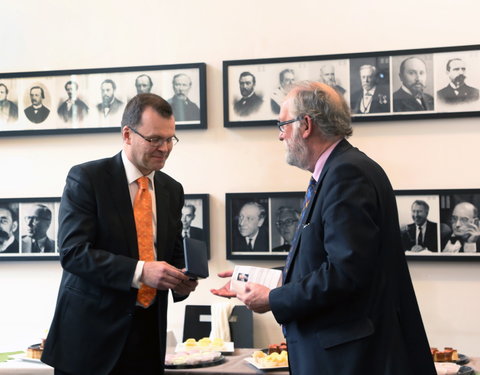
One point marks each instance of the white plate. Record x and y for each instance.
(265, 368)
(24, 357)
(227, 347)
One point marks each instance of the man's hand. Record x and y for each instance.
(255, 297)
(473, 231)
(224, 291)
(186, 287)
(162, 276)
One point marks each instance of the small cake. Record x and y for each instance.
(35, 351)
(447, 355)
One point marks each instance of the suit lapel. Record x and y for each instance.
(341, 147)
(161, 201)
(121, 200)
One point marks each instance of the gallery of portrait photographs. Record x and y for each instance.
(440, 224)
(196, 218)
(388, 85)
(28, 228)
(261, 225)
(93, 100)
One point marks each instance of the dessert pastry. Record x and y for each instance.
(447, 355)
(204, 343)
(35, 351)
(271, 360)
(275, 348)
(191, 358)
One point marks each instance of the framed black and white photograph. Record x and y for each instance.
(93, 100)
(439, 224)
(196, 218)
(378, 86)
(28, 228)
(261, 225)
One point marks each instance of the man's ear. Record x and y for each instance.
(126, 134)
(307, 123)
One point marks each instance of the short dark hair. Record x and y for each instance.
(450, 61)
(71, 83)
(145, 75)
(111, 82)
(44, 211)
(40, 88)
(191, 206)
(132, 116)
(283, 72)
(6, 88)
(12, 208)
(419, 202)
(246, 74)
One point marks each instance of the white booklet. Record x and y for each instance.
(266, 276)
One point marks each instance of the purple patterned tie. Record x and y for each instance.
(306, 202)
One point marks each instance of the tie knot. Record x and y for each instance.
(143, 183)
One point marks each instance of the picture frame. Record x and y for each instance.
(28, 228)
(196, 218)
(93, 100)
(450, 222)
(253, 89)
(269, 218)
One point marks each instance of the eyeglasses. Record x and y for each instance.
(285, 223)
(157, 141)
(281, 125)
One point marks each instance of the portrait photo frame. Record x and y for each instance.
(449, 221)
(378, 86)
(93, 100)
(268, 218)
(196, 218)
(28, 228)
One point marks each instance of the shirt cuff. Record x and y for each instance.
(469, 247)
(136, 283)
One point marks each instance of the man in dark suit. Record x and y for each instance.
(251, 235)
(72, 109)
(411, 96)
(183, 108)
(286, 224)
(465, 235)
(37, 112)
(8, 109)
(457, 91)
(372, 98)
(110, 105)
(347, 302)
(422, 234)
(327, 76)
(250, 102)
(101, 326)
(38, 218)
(188, 215)
(8, 229)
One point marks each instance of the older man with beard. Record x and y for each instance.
(8, 228)
(346, 296)
(410, 96)
(372, 97)
(183, 108)
(250, 102)
(110, 105)
(457, 91)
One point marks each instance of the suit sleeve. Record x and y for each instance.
(90, 240)
(337, 250)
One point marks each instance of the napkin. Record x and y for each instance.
(220, 315)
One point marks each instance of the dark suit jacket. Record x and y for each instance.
(261, 242)
(465, 94)
(184, 110)
(12, 110)
(13, 248)
(197, 233)
(114, 107)
(429, 239)
(38, 117)
(347, 295)
(404, 102)
(247, 106)
(99, 253)
(284, 248)
(27, 245)
(78, 111)
(380, 100)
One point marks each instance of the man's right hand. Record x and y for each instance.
(161, 275)
(224, 291)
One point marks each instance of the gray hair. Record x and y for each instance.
(328, 109)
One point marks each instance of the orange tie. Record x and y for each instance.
(142, 210)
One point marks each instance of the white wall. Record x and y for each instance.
(51, 35)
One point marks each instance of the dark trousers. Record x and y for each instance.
(141, 353)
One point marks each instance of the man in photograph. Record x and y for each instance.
(372, 97)
(72, 109)
(143, 84)
(8, 229)
(410, 96)
(8, 109)
(287, 78)
(422, 233)
(251, 234)
(110, 105)
(188, 215)
(465, 230)
(457, 91)
(286, 224)
(327, 76)
(37, 112)
(183, 108)
(38, 218)
(250, 102)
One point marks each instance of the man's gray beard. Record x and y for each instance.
(297, 156)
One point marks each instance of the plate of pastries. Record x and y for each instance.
(275, 357)
(449, 362)
(205, 344)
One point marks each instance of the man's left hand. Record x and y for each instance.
(186, 287)
(255, 297)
